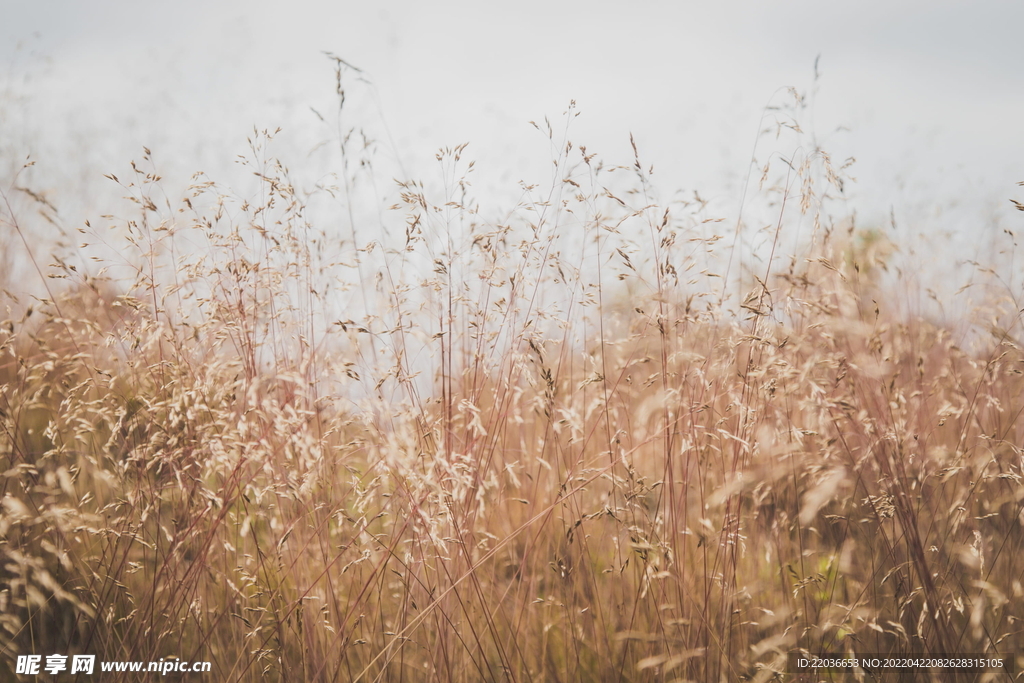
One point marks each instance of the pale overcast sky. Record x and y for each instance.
(929, 95)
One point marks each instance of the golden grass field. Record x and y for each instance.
(594, 438)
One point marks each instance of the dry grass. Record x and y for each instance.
(568, 444)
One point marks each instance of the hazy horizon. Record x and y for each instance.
(926, 97)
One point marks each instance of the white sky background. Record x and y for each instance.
(930, 94)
